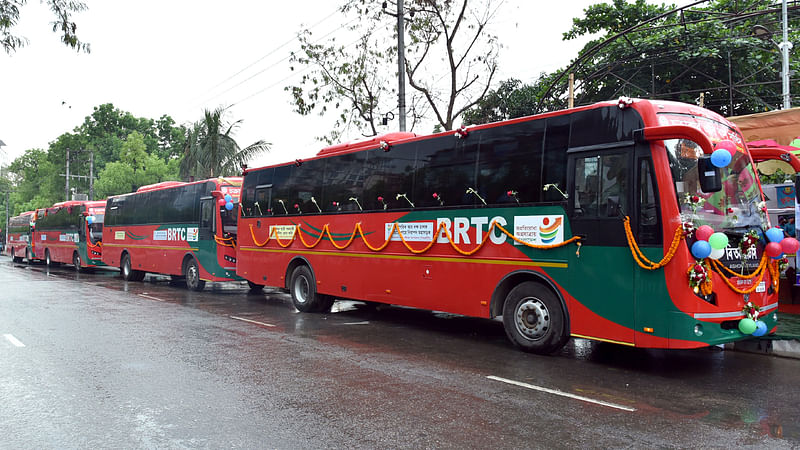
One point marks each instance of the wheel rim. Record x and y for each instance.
(191, 274)
(532, 318)
(301, 289)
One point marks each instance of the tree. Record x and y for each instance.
(678, 54)
(445, 37)
(61, 9)
(210, 149)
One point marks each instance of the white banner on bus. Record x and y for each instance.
(412, 231)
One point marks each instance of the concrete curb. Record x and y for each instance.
(786, 348)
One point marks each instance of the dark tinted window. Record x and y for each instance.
(344, 179)
(511, 160)
(281, 192)
(388, 175)
(554, 170)
(446, 168)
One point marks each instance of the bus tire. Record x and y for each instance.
(16, 259)
(28, 256)
(304, 292)
(534, 319)
(128, 274)
(191, 272)
(47, 261)
(76, 262)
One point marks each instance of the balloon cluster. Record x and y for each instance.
(227, 202)
(779, 245)
(90, 220)
(709, 244)
(723, 153)
(754, 327)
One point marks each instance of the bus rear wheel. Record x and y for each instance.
(192, 274)
(47, 261)
(534, 319)
(128, 274)
(304, 292)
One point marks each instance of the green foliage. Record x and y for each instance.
(210, 149)
(62, 11)
(128, 152)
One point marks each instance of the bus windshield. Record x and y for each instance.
(737, 205)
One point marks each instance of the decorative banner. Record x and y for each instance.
(411, 231)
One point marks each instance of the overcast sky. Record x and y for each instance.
(176, 57)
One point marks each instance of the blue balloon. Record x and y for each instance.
(701, 249)
(775, 234)
(720, 158)
(90, 220)
(229, 206)
(228, 198)
(761, 328)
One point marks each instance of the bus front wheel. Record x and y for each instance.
(534, 319)
(304, 292)
(192, 274)
(76, 261)
(128, 274)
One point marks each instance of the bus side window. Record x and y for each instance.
(207, 214)
(647, 197)
(587, 186)
(263, 199)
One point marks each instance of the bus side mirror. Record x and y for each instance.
(710, 176)
(796, 186)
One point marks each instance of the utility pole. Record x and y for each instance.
(785, 45)
(91, 175)
(67, 177)
(401, 61)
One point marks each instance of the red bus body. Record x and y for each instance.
(161, 228)
(448, 224)
(69, 233)
(18, 236)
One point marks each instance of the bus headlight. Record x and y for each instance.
(698, 330)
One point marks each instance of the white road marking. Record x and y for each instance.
(356, 323)
(13, 340)
(252, 321)
(151, 298)
(561, 393)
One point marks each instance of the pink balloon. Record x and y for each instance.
(773, 249)
(703, 232)
(790, 245)
(221, 202)
(727, 145)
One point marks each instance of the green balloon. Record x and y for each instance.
(718, 240)
(747, 326)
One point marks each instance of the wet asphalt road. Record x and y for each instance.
(90, 361)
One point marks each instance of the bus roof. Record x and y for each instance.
(162, 185)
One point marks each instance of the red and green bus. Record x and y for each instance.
(575, 223)
(70, 233)
(186, 230)
(18, 236)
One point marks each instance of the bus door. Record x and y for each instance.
(602, 272)
(207, 227)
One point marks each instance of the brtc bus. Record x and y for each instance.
(70, 232)
(18, 237)
(576, 223)
(186, 230)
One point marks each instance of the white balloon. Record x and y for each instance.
(717, 253)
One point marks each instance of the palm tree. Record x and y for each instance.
(210, 152)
